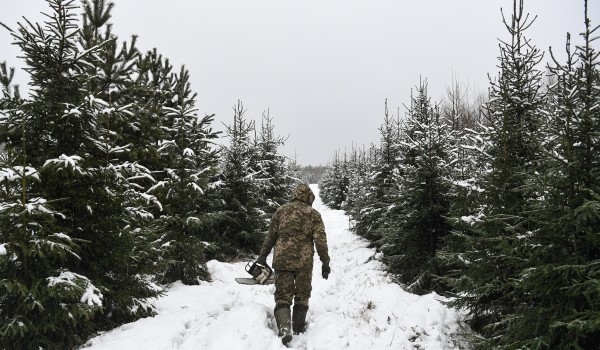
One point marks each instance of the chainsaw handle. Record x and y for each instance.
(259, 272)
(250, 266)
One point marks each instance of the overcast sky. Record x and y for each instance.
(323, 68)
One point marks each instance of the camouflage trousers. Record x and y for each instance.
(293, 286)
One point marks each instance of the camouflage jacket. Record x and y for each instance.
(295, 230)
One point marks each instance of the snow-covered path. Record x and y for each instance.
(358, 307)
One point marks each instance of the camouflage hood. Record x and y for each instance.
(304, 194)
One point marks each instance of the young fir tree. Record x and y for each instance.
(382, 183)
(357, 179)
(465, 143)
(333, 186)
(121, 217)
(416, 225)
(499, 241)
(39, 290)
(243, 223)
(296, 173)
(327, 181)
(469, 164)
(42, 304)
(186, 216)
(166, 137)
(272, 172)
(560, 284)
(466, 153)
(69, 130)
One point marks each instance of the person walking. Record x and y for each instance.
(295, 230)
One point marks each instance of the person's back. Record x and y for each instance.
(298, 227)
(295, 229)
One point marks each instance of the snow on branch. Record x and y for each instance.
(66, 162)
(166, 145)
(181, 111)
(46, 244)
(90, 295)
(469, 185)
(134, 171)
(139, 212)
(196, 187)
(94, 100)
(188, 152)
(17, 173)
(472, 219)
(38, 206)
(150, 199)
(107, 148)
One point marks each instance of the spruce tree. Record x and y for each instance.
(560, 283)
(45, 302)
(272, 173)
(186, 215)
(334, 184)
(357, 180)
(243, 224)
(295, 173)
(166, 137)
(498, 245)
(382, 183)
(416, 224)
(468, 160)
(72, 131)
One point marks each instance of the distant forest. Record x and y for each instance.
(312, 174)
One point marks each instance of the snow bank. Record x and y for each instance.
(358, 307)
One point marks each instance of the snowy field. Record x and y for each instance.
(358, 307)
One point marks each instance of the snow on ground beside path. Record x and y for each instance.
(358, 307)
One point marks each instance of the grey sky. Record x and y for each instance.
(323, 67)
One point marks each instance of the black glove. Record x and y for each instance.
(262, 260)
(325, 270)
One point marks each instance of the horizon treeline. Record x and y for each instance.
(112, 186)
(496, 205)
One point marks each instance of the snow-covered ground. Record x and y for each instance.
(358, 307)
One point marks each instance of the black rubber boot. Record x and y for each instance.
(284, 323)
(299, 318)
